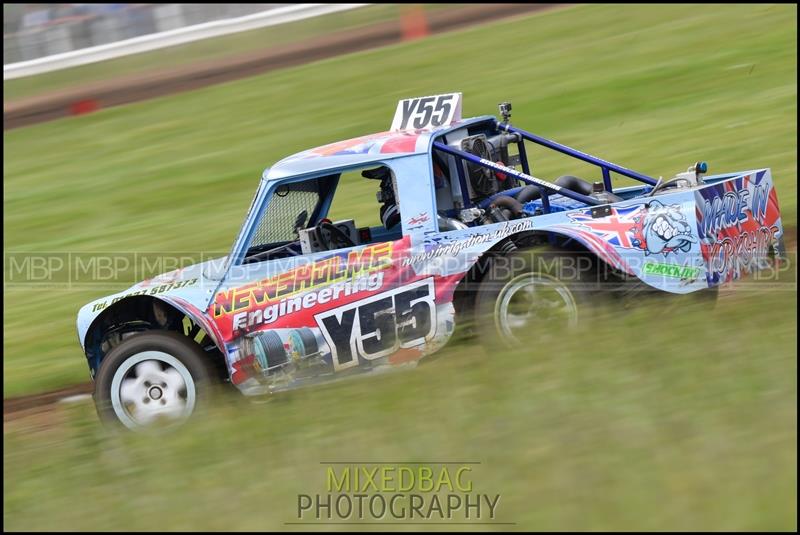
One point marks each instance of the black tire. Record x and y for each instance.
(157, 382)
(551, 291)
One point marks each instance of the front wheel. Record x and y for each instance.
(152, 380)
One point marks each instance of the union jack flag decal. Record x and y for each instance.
(623, 228)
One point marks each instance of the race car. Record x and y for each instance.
(467, 235)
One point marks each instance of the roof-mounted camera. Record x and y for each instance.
(505, 111)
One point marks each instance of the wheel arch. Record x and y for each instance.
(137, 314)
(465, 290)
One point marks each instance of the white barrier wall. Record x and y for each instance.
(56, 47)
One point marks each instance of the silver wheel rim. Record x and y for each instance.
(533, 298)
(152, 388)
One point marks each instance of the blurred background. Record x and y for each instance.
(649, 420)
(32, 31)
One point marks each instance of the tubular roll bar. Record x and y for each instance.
(528, 179)
(606, 166)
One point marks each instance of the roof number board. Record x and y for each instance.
(422, 113)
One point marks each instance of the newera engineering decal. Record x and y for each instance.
(365, 306)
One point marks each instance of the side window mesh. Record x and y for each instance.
(289, 208)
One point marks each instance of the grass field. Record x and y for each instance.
(681, 421)
(656, 433)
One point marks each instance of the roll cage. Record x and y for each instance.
(606, 167)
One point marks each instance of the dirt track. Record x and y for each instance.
(128, 89)
(21, 406)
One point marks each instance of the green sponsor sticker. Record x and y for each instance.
(671, 270)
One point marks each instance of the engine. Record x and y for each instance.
(484, 182)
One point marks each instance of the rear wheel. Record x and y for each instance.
(535, 294)
(152, 380)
